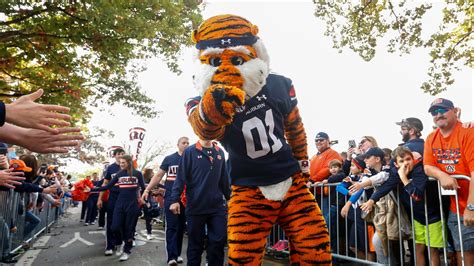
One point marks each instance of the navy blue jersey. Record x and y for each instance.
(258, 151)
(111, 171)
(170, 165)
(127, 185)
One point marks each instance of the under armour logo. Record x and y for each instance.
(228, 41)
(199, 156)
(263, 97)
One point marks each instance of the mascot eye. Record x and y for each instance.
(215, 61)
(237, 61)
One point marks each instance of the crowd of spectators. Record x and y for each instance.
(39, 128)
(372, 182)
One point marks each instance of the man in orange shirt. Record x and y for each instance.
(319, 168)
(449, 150)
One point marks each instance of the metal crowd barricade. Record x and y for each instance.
(13, 207)
(343, 252)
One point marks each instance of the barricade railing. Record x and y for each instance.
(396, 248)
(13, 212)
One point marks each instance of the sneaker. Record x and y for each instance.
(119, 250)
(8, 260)
(134, 243)
(150, 237)
(179, 259)
(124, 257)
(86, 224)
(109, 252)
(172, 262)
(92, 223)
(100, 227)
(81, 220)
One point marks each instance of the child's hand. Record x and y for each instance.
(355, 187)
(367, 206)
(345, 210)
(325, 181)
(347, 179)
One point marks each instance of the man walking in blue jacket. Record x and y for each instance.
(203, 171)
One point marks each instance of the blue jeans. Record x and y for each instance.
(466, 232)
(31, 221)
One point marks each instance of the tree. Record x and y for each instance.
(360, 27)
(88, 52)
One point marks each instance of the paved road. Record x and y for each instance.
(71, 243)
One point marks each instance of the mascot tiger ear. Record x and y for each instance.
(194, 36)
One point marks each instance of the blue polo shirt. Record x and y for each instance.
(170, 165)
(111, 171)
(203, 171)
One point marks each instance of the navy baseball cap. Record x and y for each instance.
(441, 103)
(411, 122)
(322, 135)
(375, 151)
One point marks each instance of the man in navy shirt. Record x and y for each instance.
(112, 170)
(175, 223)
(203, 170)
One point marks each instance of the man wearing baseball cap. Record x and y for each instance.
(319, 168)
(410, 129)
(449, 150)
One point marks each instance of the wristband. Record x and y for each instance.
(304, 166)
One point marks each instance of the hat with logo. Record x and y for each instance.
(441, 103)
(322, 135)
(411, 122)
(375, 151)
(19, 165)
(359, 162)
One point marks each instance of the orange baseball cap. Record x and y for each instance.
(19, 165)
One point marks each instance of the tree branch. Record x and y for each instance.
(20, 19)
(71, 15)
(456, 44)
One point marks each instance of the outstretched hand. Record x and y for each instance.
(42, 141)
(25, 112)
(10, 179)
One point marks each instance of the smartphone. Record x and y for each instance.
(43, 168)
(352, 143)
(3, 150)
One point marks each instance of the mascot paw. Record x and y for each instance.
(219, 103)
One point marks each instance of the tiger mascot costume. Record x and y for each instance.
(254, 115)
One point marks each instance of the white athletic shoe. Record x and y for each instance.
(124, 257)
(133, 243)
(172, 262)
(179, 260)
(119, 250)
(109, 252)
(149, 237)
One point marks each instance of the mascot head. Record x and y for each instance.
(229, 52)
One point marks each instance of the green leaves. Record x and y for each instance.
(360, 27)
(81, 54)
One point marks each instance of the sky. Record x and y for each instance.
(338, 93)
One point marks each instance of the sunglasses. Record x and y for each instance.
(441, 111)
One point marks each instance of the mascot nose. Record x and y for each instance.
(228, 74)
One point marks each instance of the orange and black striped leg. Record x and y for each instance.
(251, 218)
(304, 225)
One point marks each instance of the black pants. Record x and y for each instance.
(83, 210)
(102, 212)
